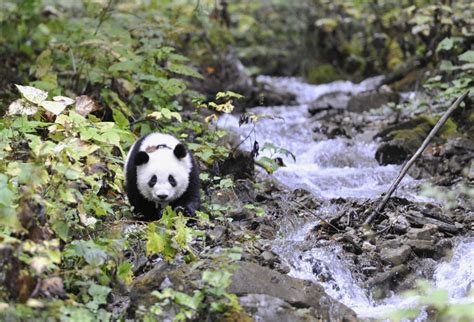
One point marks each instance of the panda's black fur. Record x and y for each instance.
(146, 153)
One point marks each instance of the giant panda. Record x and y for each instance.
(160, 171)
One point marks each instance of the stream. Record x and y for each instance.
(338, 168)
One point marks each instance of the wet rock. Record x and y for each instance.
(267, 256)
(403, 139)
(225, 72)
(250, 278)
(143, 285)
(396, 256)
(441, 222)
(266, 231)
(270, 308)
(391, 153)
(373, 99)
(382, 284)
(425, 233)
(227, 198)
(368, 247)
(332, 103)
(217, 233)
(423, 248)
(331, 131)
(268, 95)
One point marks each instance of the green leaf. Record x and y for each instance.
(125, 272)
(228, 94)
(184, 70)
(183, 234)
(90, 251)
(157, 242)
(219, 280)
(171, 86)
(190, 301)
(61, 228)
(99, 294)
(446, 66)
(445, 44)
(268, 164)
(7, 196)
(170, 115)
(120, 119)
(123, 66)
(468, 56)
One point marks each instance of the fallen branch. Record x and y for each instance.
(420, 150)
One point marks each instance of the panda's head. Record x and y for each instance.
(162, 171)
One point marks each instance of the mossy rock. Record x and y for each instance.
(323, 73)
(402, 140)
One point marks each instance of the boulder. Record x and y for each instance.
(251, 278)
(372, 99)
(270, 308)
(333, 101)
(424, 233)
(396, 256)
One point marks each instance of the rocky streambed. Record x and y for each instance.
(342, 167)
(310, 257)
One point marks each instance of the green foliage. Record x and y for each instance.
(437, 299)
(356, 38)
(170, 235)
(62, 201)
(208, 297)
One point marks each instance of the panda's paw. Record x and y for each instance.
(180, 209)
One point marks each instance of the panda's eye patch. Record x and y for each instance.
(152, 181)
(172, 181)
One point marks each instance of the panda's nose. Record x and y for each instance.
(162, 197)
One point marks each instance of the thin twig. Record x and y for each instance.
(420, 150)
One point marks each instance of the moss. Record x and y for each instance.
(414, 136)
(324, 73)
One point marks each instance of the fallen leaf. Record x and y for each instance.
(53, 286)
(35, 304)
(32, 94)
(54, 107)
(22, 107)
(63, 99)
(85, 105)
(39, 264)
(87, 221)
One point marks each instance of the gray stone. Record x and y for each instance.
(266, 255)
(396, 256)
(251, 278)
(369, 100)
(425, 233)
(423, 248)
(330, 101)
(381, 284)
(268, 308)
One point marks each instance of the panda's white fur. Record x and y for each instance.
(168, 176)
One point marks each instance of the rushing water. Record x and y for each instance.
(330, 169)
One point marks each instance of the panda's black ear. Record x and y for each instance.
(141, 158)
(179, 151)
